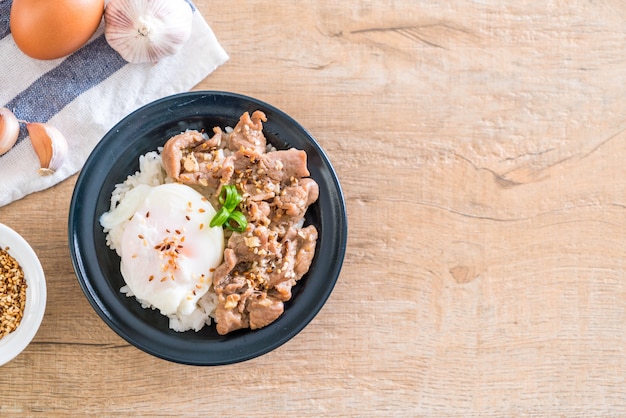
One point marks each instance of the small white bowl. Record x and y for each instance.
(14, 343)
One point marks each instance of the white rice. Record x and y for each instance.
(151, 173)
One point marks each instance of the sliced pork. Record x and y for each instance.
(264, 262)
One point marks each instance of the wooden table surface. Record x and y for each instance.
(480, 146)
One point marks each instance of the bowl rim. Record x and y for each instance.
(86, 203)
(11, 345)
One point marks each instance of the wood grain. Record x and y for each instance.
(480, 146)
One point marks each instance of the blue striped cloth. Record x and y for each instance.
(85, 94)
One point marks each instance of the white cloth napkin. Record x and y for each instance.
(85, 94)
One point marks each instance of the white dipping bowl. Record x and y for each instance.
(11, 345)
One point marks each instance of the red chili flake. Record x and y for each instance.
(148, 214)
(150, 278)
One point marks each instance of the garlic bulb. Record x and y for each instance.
(50, 146)
(147, 30)
(9, 130)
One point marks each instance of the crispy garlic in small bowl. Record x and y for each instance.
(22, 294)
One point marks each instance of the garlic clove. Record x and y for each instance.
(50, 146)
(147, 30)
(9, 130)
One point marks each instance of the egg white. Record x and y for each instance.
(168, 251)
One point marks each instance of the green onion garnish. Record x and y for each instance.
(229, 197)
(234, 219)
(236, 222)
(220, 217)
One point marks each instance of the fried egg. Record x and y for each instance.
(168, 251)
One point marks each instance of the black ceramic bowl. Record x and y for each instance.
(98, 267)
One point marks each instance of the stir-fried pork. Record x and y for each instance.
(264, 262)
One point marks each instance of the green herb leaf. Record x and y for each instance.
(229, 197)
(220, 217)
(233, 219)
(237, 222)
